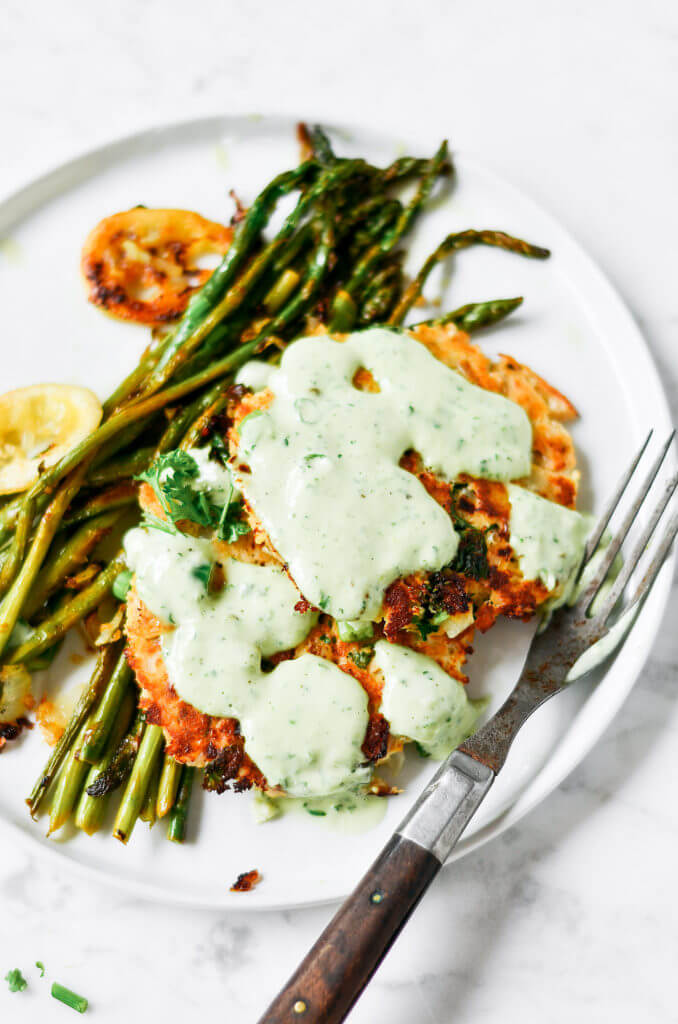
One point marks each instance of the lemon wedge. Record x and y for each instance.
(38, 425)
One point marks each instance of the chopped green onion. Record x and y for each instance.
(41, 967)
(362, 658)
(122, 584)
(16, 980)
(72, 999)
(353, 630)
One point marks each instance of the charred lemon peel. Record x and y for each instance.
(143, 265)
(39, 425)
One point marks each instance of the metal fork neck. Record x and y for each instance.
(443, 810)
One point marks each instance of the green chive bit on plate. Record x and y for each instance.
(72, 999)
(16, 980)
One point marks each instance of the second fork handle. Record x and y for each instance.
(342, 961)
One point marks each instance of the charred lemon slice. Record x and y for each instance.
(38, 425)
(143, 265)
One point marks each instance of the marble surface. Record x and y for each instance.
(571, 914)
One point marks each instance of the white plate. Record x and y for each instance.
(573, 329)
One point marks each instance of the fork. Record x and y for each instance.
(342, 961)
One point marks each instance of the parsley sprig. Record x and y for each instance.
(172, 477)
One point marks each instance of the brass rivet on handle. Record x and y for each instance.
(300, 1006)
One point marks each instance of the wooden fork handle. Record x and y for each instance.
(334, 973)
(336, 970)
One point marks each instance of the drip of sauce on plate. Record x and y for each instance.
(350, 813)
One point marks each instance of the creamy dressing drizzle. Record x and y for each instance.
(548, 538)
(324, 479)
(422, 702)
(350, 813)
(324, 476)
(303, 722)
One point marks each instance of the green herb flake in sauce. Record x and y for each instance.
(202, 573)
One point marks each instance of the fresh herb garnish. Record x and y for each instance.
(41, 967)
(231, 525)
(429, 623)
(158, 524)
(316, 814)
(361, 658)
(424, 626)
(420, 750)
(72, 999)
(16, 981)
(202, 573)
(172, 478)
(219, 449)
(350, 630)
(471, 556)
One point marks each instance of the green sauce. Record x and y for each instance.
(323, 458)
(305, 721)
(548, 538)
(350, 813)
(324, 478)
(424, 703)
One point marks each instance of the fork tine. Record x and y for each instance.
(615, 544)
(601, 526)
(631, 564)
(656, 563)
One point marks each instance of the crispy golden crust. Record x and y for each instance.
(484, 504)
(192, 737)
(246, 881)
(195, 738)
(554, 473)
(142, 265)
(200, 739)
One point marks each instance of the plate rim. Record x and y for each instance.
(53, 180)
